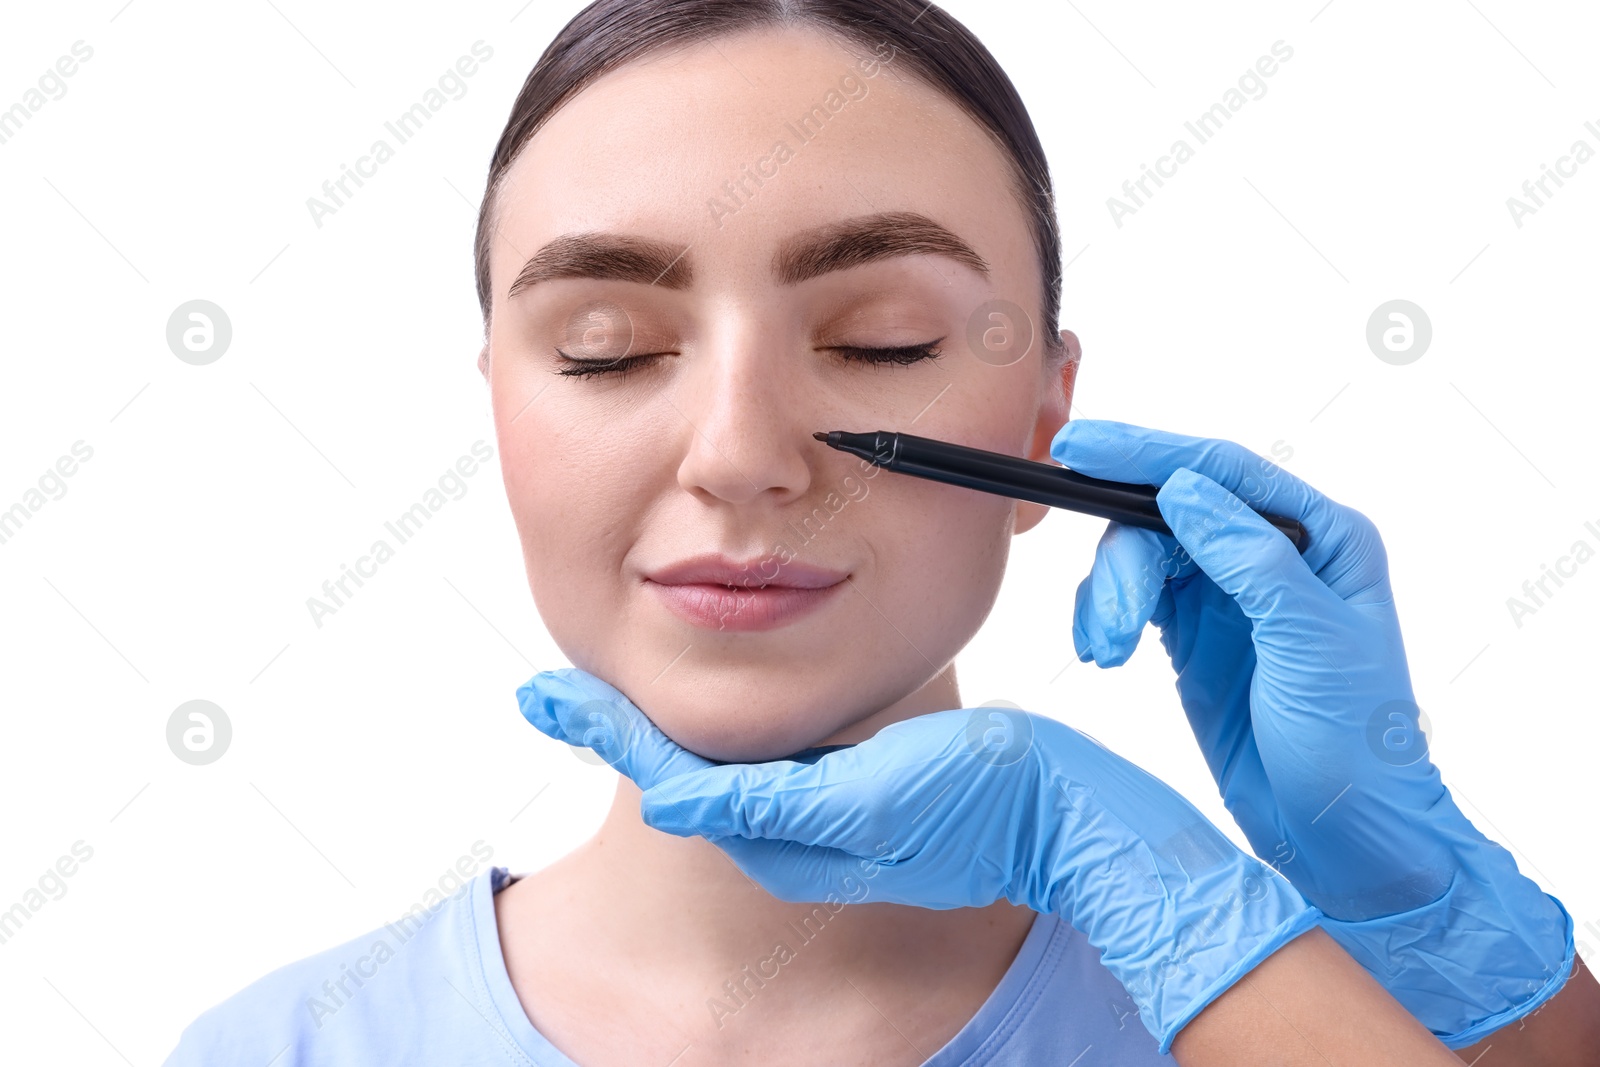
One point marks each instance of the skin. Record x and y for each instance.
(1307, 1004)
(709, 449)
(1281, 1013)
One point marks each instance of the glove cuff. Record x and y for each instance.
(1487, 952)
(1286, 931)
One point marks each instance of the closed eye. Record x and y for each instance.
(588, 368)
(896, 355)
(901, 355)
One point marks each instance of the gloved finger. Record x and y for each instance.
(854, 799)
(1123, 452)
(845, 839)
(1166, 605)
(777, 800)
(574, 706)
(1122, 592)
(1242, 553)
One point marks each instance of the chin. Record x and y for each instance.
(748, 711)
(708, 735)
(739, 731)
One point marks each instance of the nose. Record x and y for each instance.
(746, 407)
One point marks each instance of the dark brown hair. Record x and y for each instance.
(925, 40)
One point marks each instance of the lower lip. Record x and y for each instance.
(717, 607)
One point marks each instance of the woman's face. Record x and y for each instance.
(717, 211)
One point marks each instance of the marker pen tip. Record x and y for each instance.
(819, 435)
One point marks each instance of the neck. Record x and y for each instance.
(681, 902)
(670, 930)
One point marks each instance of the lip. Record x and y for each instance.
(720, 570)
(718, 593)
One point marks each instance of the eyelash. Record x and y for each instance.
(898, 355)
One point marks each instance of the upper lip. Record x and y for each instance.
(720, 570)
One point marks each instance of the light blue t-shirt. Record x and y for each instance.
(436, 992)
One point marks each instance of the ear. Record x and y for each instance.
(483, 362)
(1053, 415)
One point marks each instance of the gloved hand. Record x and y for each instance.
(1293, 676)
(958, 809)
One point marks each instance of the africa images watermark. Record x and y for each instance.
(52, 86)
(741, 190)
(807, 530)
(51, 484)
(336, 992)
(403, 128)
(1203, 128)
(1537, 590)
(52, 885)
(740, 990)
(405, 526)
(1566, 167)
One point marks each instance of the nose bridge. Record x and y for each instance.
(742, 396)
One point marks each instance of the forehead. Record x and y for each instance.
(732, 144)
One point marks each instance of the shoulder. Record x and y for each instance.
(350, 1003)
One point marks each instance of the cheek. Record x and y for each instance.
(577, 494)
(944, 576)
(952, 544)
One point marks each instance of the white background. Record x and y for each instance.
(370, 754)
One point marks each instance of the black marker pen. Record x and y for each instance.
(1021, 479)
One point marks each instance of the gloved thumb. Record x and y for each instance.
(1241, 552)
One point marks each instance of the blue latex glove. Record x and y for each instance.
(1293, 676)
(958, 809)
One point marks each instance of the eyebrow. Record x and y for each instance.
(837, 246)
